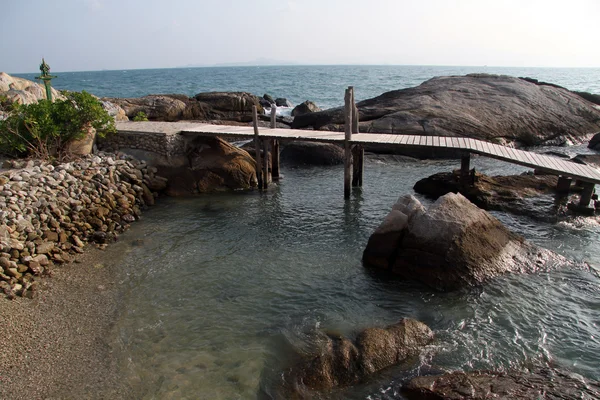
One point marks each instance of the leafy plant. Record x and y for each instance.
(43, 129)
(140, 116)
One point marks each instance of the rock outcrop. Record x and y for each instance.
(342, 362)
(23, 91)
(307, 107)
(489, 107)
(231, 106)
(193, 164)
(48, 213)
(452, 245)
(312, 153)
(513, 385)
(595, 142)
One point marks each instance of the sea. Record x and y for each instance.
(218, 290)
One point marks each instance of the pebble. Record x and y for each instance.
(49, 212)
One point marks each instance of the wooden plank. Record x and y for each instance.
(443, 141)
(404, 139)
(455, 143)
(436, 141)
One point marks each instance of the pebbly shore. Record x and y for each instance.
(49, 213)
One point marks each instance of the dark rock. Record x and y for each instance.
(595, 142)
(543, 383)
(99, 237)
(264, 103)
(341, 362)
(452, 245)
(482, 106)
(527, 194)
(312, 153)
(305, 108)
(268, 98)
(283, 102)
(592, 98)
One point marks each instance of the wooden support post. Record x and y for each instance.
(564, 184)
(358, 165)
(347, 137)
(586, 194)
(265, 171)
(358, 152)
(273, 116)
(275, 158)
(257, 146)
(465, 180)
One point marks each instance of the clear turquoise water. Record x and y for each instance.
(218, 287)
(322, 84)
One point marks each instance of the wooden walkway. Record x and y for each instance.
(547, 163)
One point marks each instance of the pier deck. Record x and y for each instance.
(546, 163)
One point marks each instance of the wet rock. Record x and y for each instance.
(454, 244)
(513, 385)
(312, 153)
(342, 362)
(283, 102)
(526, 194)
(469, 106)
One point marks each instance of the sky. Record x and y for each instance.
(82, 35)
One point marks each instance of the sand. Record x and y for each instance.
(58, 345)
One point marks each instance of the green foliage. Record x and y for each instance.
(43, 129)
(140, 116)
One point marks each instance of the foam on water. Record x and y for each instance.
(219, 287)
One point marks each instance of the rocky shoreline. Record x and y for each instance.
(50, 213)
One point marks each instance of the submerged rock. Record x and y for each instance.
(452, 245)
(481, 106)
(342, 362)
(312, 153)
(479, 385)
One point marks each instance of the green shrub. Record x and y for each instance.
(43, 129)
(140, 116)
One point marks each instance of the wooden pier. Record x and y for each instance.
(267, 143)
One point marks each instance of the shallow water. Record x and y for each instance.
(217, 286)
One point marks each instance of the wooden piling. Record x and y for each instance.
(358, 152)
(465, 180)
(275, 159)
(348, 135)
(586, 194)
(273, 116)
(564, 184)
(259, 175)
(265, 171)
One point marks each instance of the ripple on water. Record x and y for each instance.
(220, 287)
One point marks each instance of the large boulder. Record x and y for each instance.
(156, 107)
(452, 245)
(212, 165)
(312, 153)
(307, 107)
(528, 194)
(341, 362)
(23, 91)
(482, 106)
(542, 383)
(230, 102)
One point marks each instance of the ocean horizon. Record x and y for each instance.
(322, 84)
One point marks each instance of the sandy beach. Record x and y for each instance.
(57, 345)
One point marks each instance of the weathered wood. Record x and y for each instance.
(358, 152)
(265, 170)
(347, 138)
(465, 179)
(259, 175)
(586, 194)
(564, 184)
(273, 116)
(275, 159)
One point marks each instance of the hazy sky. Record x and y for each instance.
(77, 35)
